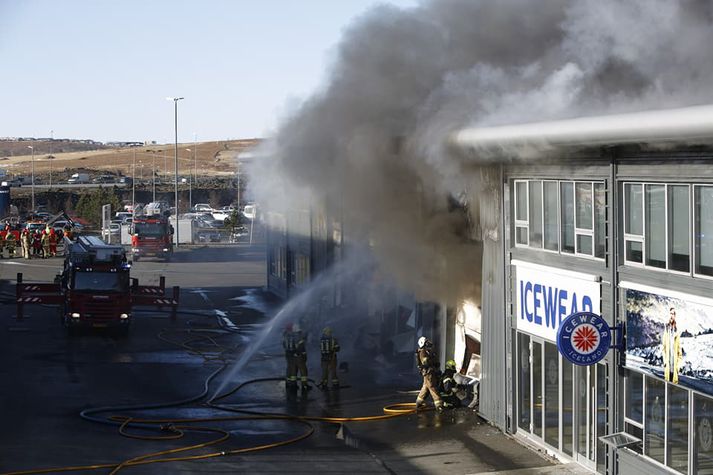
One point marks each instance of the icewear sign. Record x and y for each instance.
(546, 297)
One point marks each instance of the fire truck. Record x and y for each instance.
(151, 236)
(94, 289)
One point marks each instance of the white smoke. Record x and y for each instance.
(372, 144)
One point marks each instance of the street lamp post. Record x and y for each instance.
(51, 157)
(175, 157)
(190, 183)
(33, 176)
(153, 176)
(133, 189)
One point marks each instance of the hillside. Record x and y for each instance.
(212, 159)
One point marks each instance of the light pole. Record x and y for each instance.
(190, 183)
(51, 157)
(33, 176)
(153, 176)
(175, 156)
(133, 189)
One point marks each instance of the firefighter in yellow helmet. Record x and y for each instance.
(427, 361)
(293, 342)
(329, 347)
(10, 241)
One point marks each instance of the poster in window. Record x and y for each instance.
(670, 338)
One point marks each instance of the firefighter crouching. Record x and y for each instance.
(328, 347)
(293, 342)
(10, 241)
(428, 365)
(26, 241)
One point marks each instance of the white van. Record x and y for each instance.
(250, 211)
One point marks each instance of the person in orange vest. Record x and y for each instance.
(53, 242)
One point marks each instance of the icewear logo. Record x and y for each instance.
(584, 338)
(548, 306)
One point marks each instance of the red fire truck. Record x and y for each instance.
(151, 236)
(94, 289)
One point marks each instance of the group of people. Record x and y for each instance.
(447, 388)
(294, 344)
(38, 244)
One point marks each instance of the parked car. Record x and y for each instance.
(78, 178)
(104, 179)
(201, 207)
(211, 235)
(126, 180)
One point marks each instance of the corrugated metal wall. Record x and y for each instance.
(493, 394)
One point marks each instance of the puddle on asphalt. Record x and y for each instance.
(252, 300)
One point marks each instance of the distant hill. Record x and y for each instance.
(10, 147)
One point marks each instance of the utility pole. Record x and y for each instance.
(51, 157)
(175, 157)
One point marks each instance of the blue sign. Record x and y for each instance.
(584, 338)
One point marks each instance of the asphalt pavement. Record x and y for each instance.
(48, 378)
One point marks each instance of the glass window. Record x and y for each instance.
(702, 434)
(634, 251)
(550, 216)
(600, 220)
(679, 255)
(634, 396)
(704, 229)
(567, 208)
(584, 244)
(521, 235)
(535, 214)
(655, 419)
(633, 207)
(602, 419)
(582, 375)
(521, 200)
(523, 382)
(584, 205)
(637, 432)
(537, 388)
(656, 225)
(567, 407)
(677, 445)
(552, 400)
(103, 281)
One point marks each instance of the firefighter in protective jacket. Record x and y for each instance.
(427, 360)
(328, 347)
(10, 241)
(26, 241)
(293, 342)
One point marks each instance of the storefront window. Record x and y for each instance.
(567, 407)
(704, 229)
(677, 445)
(655, 423)
(550, 216)
(537, 388)
(633, 409)
(523, 382)
(602, 416)
(535, 213)
(552, 402)
(679, 254)
(655, 208)
(703, 435)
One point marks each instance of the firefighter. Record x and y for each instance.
(2, 245)
(295, 351)
(10, 241)
(328, 347)
(449, 388)
(68, 231)
(287, 345)
(36, 243)
(26, 241)
(45, 239)
(427, 361)
(53, 242)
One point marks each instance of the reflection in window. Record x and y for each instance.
(567, 407)
(655, 207)
(523, 382)
(537, 388)
(702, 434)
(655, 419)
(552, 403)
(634, 396)
(679, 255)
(550, 216)
(704, 229)
(600, 220)
(535, 213)
(567, 199)
(677, 446)
(584, 205)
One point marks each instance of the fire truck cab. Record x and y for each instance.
(95, 285)
(151, 236)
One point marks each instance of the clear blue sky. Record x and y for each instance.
(102, 69)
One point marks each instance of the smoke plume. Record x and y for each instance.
(372, 144)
